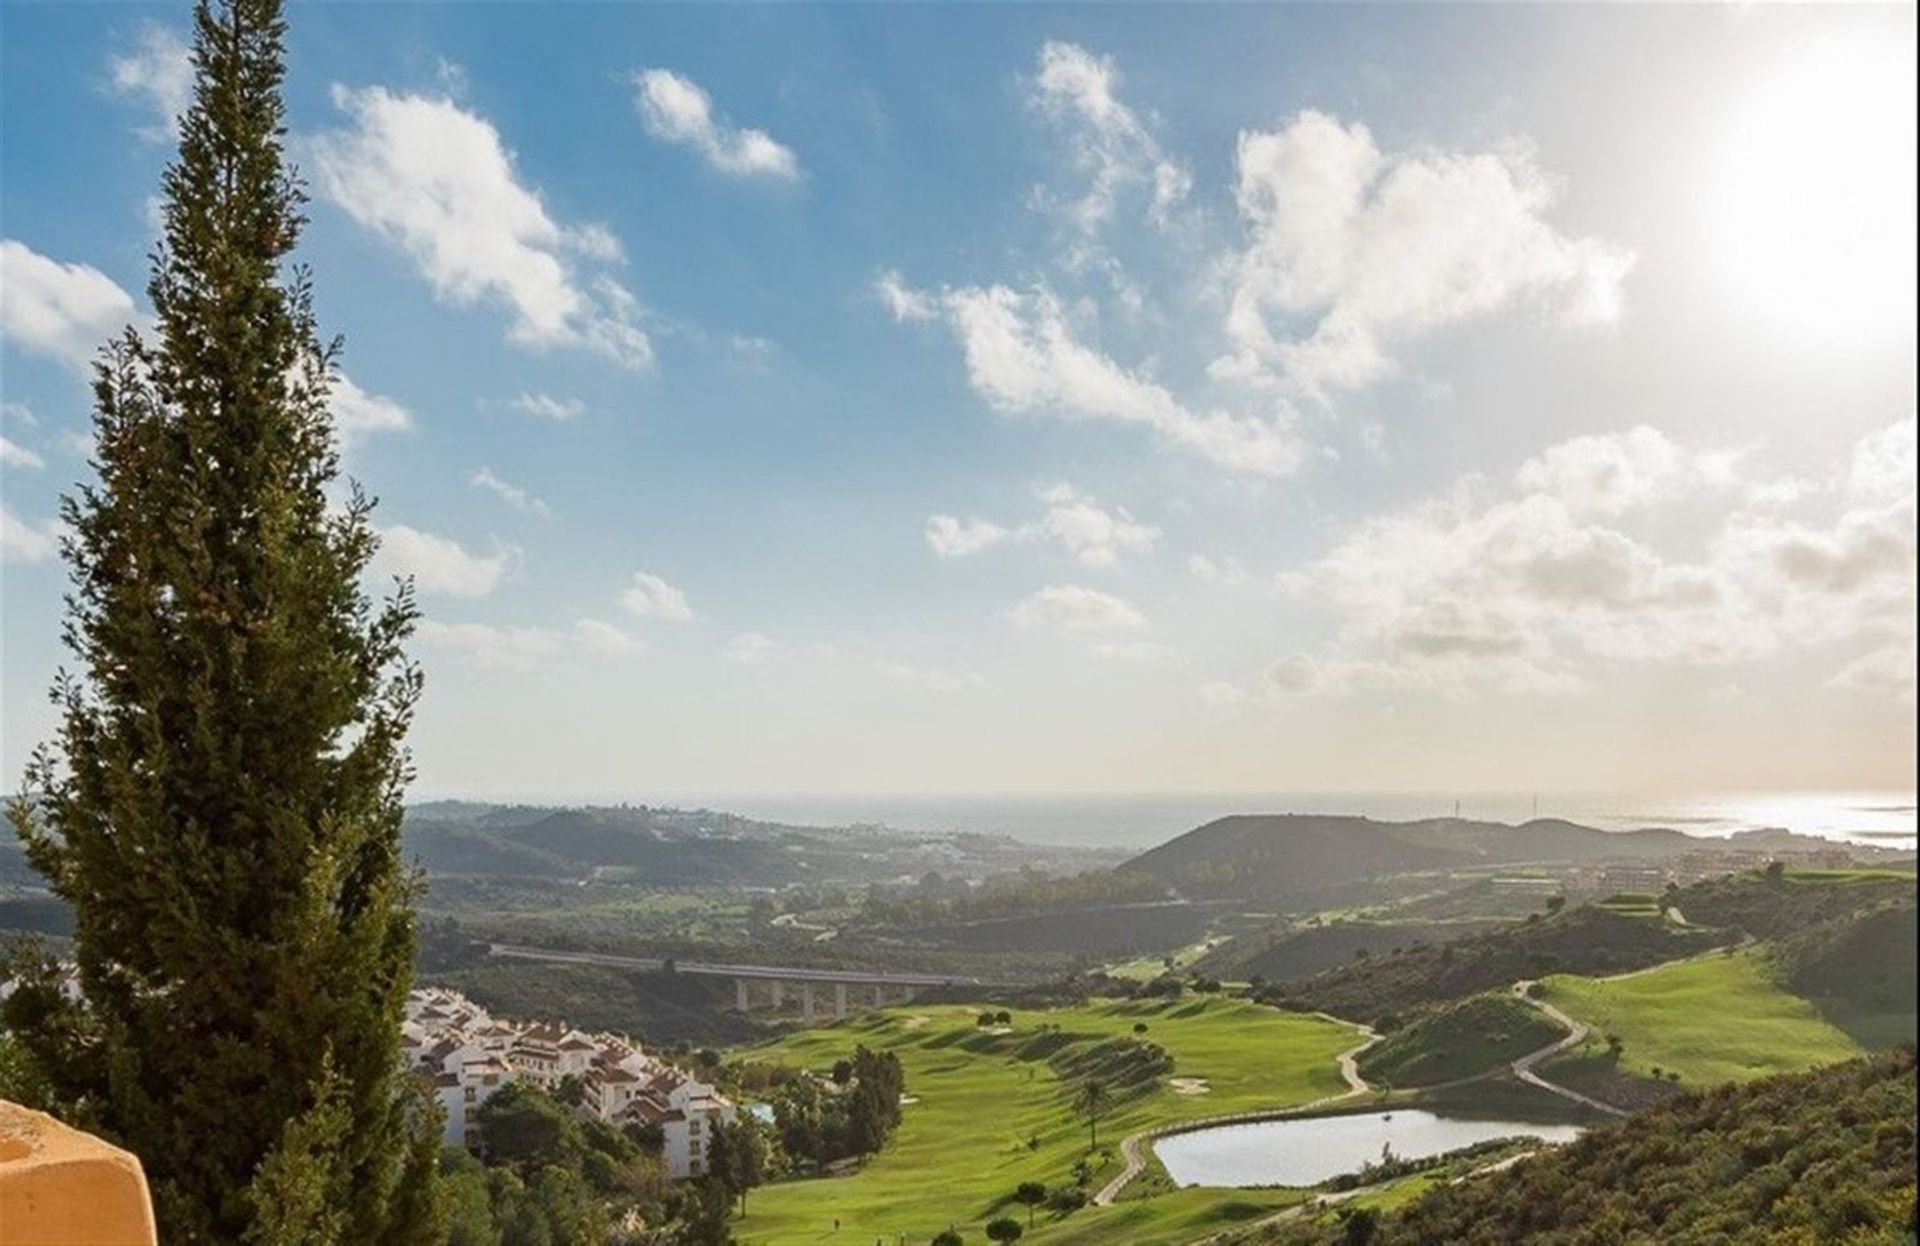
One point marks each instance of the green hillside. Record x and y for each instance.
(1582, 940)
(1859, 972)
(1718, 1018)
(1280, 953)
(1453, 1041)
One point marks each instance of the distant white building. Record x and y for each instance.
(468, 1056)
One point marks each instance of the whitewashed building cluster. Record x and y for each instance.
(469, 1055)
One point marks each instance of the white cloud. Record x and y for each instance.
(548, 408)
(513, 495)
(676, 110)
(950, 537)
(63, 311)
(358, 414)
(1374, 247)
(1024, 358)
(160, 72)
(1107, 140)
(1216, 571)
(1095, 535)
(749, 649)
(930, 678)
(23, 541)
(650, 597)
(1579, 560)
(902, 300)
(602, 637)
(523, 648)
(1072, 608)
(439, 564)
(1888, 671)
(1613, 473)
(1220, 692)
(12, 455)
(435, 180)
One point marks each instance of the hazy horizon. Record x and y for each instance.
(1140, 819)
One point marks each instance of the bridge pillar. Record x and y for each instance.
(806, 1001)
(879, 995)
(839, 1001)
(740, 1000)
(779, 994)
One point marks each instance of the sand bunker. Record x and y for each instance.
(1189, 1085)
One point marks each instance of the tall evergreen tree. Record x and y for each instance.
(222, 804)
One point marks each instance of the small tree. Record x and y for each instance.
(524, 1128)
(1032, 1193)
(1358, 1225)
(1093, 1100)
(1005, 1229)
(1555, 904)
(737, 1158)
(948, 1237)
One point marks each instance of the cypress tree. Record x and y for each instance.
(221, 805)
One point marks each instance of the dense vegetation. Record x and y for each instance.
(1473, 1036)
(848, 1115)
(1859, 971)
(1384, 990)
(545, 1176)
(1826, 1156)
(1281, 952)
(1770, 904)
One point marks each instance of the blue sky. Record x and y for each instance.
(1066, 398)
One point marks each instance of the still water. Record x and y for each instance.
(1310, 1150)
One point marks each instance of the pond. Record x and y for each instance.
(1308, 1150)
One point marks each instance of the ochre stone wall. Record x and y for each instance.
(61, 1187)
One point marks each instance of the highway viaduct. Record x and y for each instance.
(878, 985)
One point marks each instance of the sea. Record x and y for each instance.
(1886, 819)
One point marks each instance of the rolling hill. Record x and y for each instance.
(1266, 857)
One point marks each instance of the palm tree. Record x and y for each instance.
(1092, 1101)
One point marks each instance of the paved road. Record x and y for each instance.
(784, 973)
(1576, 1034)
(1133, 1147)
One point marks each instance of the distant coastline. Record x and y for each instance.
(1883, 818)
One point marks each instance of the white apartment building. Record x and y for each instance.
(469, 1055)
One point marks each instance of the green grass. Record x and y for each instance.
(1716, 1018)
(1147, 968)
(963, 1146)
(1465, 1039)
(1860, 874)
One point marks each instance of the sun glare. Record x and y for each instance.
(1812, 212)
